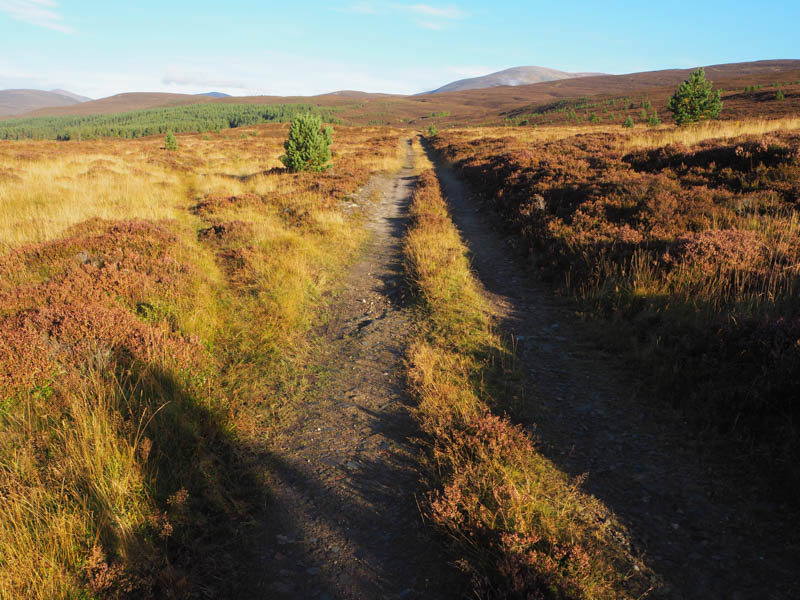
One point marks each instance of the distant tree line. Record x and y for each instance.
(193, 118)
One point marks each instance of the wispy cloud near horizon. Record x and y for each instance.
(42, 13)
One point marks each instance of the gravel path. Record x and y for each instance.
(700, 524)
(344, 522)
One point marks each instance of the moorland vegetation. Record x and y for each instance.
(522, 527)
(688, 253)
(157, 306)
(154, 308)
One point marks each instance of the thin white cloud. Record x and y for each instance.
(445, 12)
(42, 13)
(181, 78)
(265, 73)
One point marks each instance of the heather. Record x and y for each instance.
(685, 255)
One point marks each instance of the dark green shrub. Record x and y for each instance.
(694, 100)
(309, 145)
(779, 95)
(654, 120)
(628, 122)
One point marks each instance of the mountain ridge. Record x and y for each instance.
(514, 76)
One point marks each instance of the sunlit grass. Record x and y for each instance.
(165, 347)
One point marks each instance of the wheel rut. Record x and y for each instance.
(703, 526)
(343, 519)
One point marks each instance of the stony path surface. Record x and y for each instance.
(344, 523)
(699, 523)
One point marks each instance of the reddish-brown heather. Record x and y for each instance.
(717, 250)
(694, 250)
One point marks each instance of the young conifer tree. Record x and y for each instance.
(170, 141)
(694, 100)
(309, 145)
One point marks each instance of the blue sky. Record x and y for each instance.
(282, 48)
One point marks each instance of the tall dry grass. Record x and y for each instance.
(692, 135)
(641, 137)
(154, 307)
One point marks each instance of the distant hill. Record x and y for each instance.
(120, 103)
(15, 102)
(513, 76)
(76, 97)
(214, 95)
(757, 72)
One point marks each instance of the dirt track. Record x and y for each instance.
(344, 523)
(699, 523)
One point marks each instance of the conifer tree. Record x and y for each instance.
(170, 141)
(694, 100)
(309, 145)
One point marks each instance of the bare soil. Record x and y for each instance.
(343, 520)
(694, 510)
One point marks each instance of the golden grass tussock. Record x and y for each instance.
(153, 307)
(523, 527)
